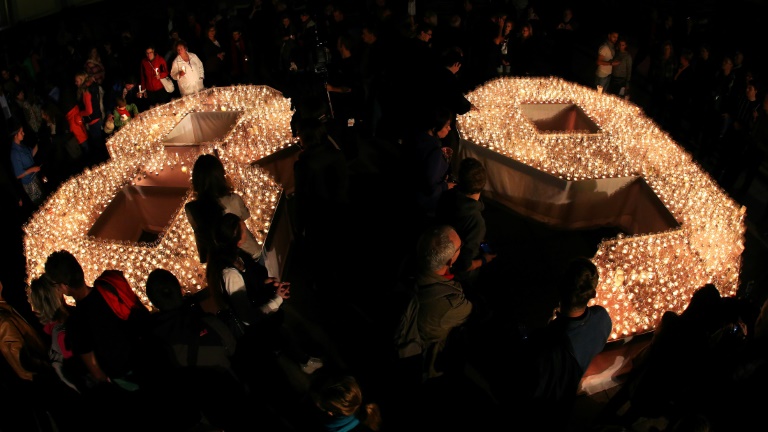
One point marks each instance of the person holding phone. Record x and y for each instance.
(461, 208)
(252, 296)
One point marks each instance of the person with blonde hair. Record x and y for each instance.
(31, 392)
(105, 327)
(47, 301)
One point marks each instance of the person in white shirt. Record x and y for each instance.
(606, 61)
(187, 70)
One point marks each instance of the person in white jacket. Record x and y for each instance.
(187, 70)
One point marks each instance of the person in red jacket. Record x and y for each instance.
(153, 69)
(74, 115)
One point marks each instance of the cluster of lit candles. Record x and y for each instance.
(136, 153)
(641, 276)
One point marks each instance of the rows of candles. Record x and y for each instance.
(641, 276)
(137, 152)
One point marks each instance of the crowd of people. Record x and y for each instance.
(377, 88)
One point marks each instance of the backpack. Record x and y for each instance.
(548, 388)
(407, 339)
(117, 292)
(554, 371)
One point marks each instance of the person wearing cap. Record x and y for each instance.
(24, 167)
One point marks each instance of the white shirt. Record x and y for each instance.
(234, 283)
(234, 204)
(606, 53)
(192, 81)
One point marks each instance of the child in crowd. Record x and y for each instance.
(340, 399)
(124, 112)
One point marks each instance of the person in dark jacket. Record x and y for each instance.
(446, 93)
(443, 305)
(462, 208)
(213, 59)
(429, 164)
(557, 356)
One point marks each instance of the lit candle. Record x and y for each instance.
(641, 276)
